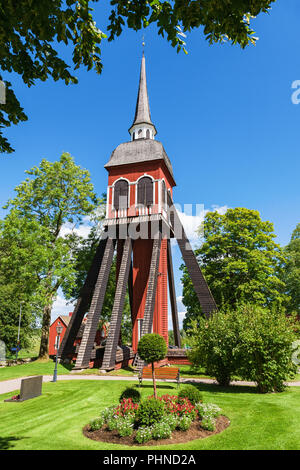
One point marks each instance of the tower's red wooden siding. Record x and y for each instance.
(142, 249)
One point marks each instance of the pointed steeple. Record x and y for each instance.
(142, 126)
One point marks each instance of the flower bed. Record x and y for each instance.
(167, 419)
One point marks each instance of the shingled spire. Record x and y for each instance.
(142, 127)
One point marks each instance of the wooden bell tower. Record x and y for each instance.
(140, 221)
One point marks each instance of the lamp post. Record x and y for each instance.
(59, 329)
(18, 340)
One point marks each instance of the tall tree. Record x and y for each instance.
(31, 29)
(37, 251)
(14, 303)
(240, 260)
(291, 272)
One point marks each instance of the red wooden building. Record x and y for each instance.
(141, 218)
(64, 320)
(139, 176)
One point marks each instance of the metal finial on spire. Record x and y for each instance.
(143, 44)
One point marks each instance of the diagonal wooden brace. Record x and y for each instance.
(82, 305)
(172, 292)
(89, 334)
(206, 300)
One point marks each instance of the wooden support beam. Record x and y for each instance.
(130, 289)
(151, 294)
(203, 293)
(172, 292)
(82, 304)
(116, 316)
(90, 329)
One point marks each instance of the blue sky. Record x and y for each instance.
(224, 115)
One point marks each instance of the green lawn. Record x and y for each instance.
(47, 367)
(55, 419)
(32, 368)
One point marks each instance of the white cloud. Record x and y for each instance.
(61, 307)
(191, 223)
(84, 228)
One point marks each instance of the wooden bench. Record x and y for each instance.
(161, 373)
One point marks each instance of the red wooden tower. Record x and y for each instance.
(140, 220)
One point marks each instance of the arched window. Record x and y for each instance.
(121, 195)
(145, 191)
(140, 133)
(147, 134)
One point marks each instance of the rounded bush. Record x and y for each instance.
(171, 420)
(124, 427)
(152, 347)
(184, 423)
(161, 430)
(96, 424)
(132, 393)
(192, 393)
(144, 434)
(150, 411)
(112, 424)
(208, 423)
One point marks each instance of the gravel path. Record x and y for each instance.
(7, 386)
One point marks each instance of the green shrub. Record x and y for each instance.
(96, 424)
(161, 430)
(124, 427)
(251, 342)
(184, 423)
(265, 347)
(192, 393)
(132, 393)
(208, 409)
(112, 423)
(171, 420)
(108, 413)
(208, 423)
(214, 343)
(152, 348)
(143, 434)
(150, 411)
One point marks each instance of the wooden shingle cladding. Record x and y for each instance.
(137, 152)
